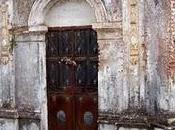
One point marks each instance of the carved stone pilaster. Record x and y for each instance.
(131, 36)
(5, 44)
(134, 31)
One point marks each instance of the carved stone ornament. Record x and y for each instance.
(134, 35)
(5, 44)
(37, 14)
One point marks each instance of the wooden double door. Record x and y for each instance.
(72, 78)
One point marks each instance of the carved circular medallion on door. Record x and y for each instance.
(88, 118)
(61, 116)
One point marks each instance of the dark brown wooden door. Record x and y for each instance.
(72, 78)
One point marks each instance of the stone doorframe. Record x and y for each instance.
(106, 31)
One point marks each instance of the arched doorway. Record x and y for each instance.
(38, 23)
(72, 67)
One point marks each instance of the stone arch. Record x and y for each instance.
(37, 14)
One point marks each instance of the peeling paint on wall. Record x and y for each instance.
(136, 80)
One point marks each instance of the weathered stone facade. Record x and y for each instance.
(136, 64)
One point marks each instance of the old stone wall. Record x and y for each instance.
(155, 15)
(12, 104)
(160, 88)
(136, 66)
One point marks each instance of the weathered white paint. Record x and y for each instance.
(159, 93)
(114, 88)
(27, 124)
(81, 14)
(7, 76)
(32, 126)
(122, 128)
(107, 127)
(27, 69)
(32, 70)
(41, 7)
(111, 82)
(8, 124)
(158, 129)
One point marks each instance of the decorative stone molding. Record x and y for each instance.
(134, 31)
(17, 114)
(40, 7)
(108, 31)
(105, 25)
(5, 44)
(141, 120)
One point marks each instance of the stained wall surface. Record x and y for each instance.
(136, 68)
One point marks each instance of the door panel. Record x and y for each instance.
(81, 43)
(72, 79)
(53, 46)
(81, 73)
(66, 73)
(66, 44)
(86, 112)
(60, 112)
(53, 74)
(93, 46)
(92, 73)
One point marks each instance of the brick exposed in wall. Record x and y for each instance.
(171, 47)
